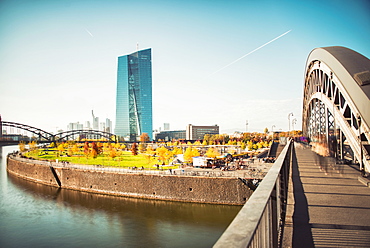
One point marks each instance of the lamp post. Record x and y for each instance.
(294, 121)
(290, 114)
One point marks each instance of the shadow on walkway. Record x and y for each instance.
(302, 234)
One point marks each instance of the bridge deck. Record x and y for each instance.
(327, 205)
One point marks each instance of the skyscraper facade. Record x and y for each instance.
(134, 95)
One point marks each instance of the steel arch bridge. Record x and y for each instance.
(59, 137)
(41, 134)
(336, 104)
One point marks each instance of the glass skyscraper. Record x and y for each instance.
(134, 95)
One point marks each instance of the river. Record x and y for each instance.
(35, 215)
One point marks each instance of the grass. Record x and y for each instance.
(125, 160)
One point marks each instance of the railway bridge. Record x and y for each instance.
(47, 137)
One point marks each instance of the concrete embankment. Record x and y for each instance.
(217, 190)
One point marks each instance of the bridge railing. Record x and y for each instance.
(259, 223)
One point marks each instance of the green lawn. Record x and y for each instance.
(125, 160)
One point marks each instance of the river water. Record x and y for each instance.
(35, 215)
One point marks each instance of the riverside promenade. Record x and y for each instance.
(327, 205)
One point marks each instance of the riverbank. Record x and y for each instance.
(216, 189)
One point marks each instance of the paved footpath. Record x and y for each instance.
(327, 205)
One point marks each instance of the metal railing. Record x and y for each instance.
(261, 220)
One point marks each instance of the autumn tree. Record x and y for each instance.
(177, 150)
(112, 152)
(32, 145)
(60, 149)
(22, 146)
(86, 149)
(149, 154)
(144, 137)
(142, 147)
(161, 153)
(134, 149)
(94, 150)
(212, 153)
(75, 149)
(190, 153)
(123, 146)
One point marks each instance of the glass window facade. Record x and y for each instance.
(134, 113)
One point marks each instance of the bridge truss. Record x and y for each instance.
(62, 136)
(336, 104)
(41, 134)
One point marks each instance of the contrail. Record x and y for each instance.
(89, 32)
(250, 53)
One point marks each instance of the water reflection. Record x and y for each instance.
(44, 216)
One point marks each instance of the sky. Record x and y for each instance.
(210, 61)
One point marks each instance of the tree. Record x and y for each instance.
(22, 146)
(212, 153)
(177, 150)
(161, 153)
(266, 130)
(206, 138)
(112, 152)
(134, 149)
(142, 147)
(144, 137)
(94, 150)
(149, 154)
(32, 145)
(123, 146)
(190, 153)
(75, 149)
(86, 149)
(60, 149)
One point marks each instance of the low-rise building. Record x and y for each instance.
(198, 132)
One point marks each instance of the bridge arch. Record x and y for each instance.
(336, 103)
(41, 134)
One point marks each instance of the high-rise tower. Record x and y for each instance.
(134, 95)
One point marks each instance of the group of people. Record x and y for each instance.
(269, 160)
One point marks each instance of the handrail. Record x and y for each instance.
(260, 221)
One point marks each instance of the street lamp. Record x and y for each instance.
(294, 121)
(290, 114)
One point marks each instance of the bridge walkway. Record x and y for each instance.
(327, 205)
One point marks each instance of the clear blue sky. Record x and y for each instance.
(58, 59)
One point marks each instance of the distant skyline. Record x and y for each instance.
(58, 59)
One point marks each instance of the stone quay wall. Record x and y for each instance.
(216, 190)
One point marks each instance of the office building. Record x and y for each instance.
(198, 132)
(95, 121)
(166, 126)
(171, 135)
(74, 126)
(134, 95)
(108, 125)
